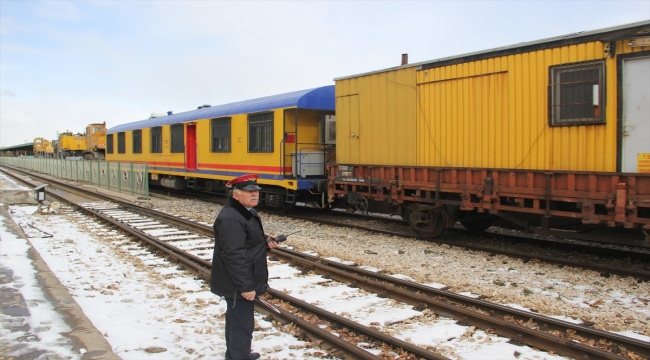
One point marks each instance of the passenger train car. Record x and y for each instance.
(550, 135)
(283, 138)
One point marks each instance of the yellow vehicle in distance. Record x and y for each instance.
(43, 148)
(95, 142)
(70, 145)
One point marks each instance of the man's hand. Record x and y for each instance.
(250, 295)
(270, 242)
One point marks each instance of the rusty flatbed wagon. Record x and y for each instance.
(551, 135)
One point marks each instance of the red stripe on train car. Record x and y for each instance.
(166, 163)
(245, 167)
(222, 166)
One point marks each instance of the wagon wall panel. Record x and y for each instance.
(494, 113)
(380, 111)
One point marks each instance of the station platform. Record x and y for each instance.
(34, 305)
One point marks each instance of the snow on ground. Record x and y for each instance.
(142, 309)
(143, 304)
(422, 328)
(47, 324)
(139, 310)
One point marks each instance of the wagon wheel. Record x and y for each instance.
(426, 224)
(361, 204)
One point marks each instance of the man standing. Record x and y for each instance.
(239, 271)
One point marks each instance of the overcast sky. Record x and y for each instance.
(65, 64)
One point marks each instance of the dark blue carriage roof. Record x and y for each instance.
(321, 98)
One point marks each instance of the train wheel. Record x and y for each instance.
(361, 204)
(426, 224)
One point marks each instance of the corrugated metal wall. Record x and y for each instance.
(461, 121)
(494, 113)
(490, 113)
(380, 110)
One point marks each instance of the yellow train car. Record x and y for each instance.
(577, 102)
(282, 138)
(549, 134)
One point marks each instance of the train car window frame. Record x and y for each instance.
(137, 142)
(177, 138)
(156, 139)
(121, 143)
(221, 134)
(109, 143)
(576, 94)
(260, 133)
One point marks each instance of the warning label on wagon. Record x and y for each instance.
(643, 162)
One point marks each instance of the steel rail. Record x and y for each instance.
(519, 334)
(364, 330)
(343, 348)
(595, 249)
(602, 269)
(339, 346)
(580, 247)
(425, 297)
(335, 344)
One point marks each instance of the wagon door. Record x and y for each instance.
(636, 115)
(190, 147)
(348, 147)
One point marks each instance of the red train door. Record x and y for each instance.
(190, 147)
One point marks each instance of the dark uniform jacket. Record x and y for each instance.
(239, 259)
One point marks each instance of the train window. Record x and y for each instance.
(178, 145)
(137, 141)
(156, 139)
(121, 146)
(220, 135)
(109, 143)
(260, 132)
(577, 94)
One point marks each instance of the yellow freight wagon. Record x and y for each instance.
(286, 139)
(578, 102)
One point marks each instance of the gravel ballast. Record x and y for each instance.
(612, 304)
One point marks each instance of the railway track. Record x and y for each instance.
(603, 269)
(399, 228)
(190, 243)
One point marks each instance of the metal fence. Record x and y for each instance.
(126, 178)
